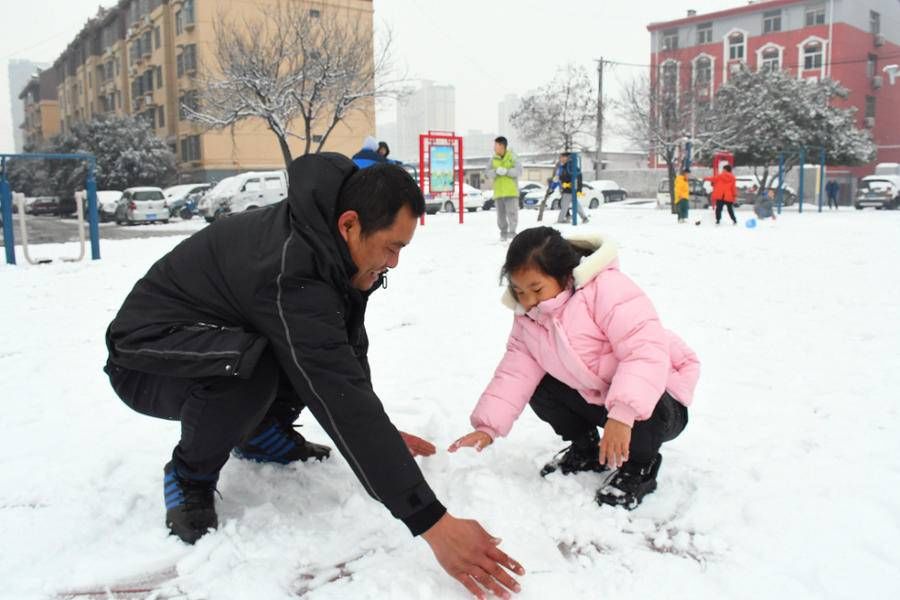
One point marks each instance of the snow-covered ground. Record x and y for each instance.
(786, 483)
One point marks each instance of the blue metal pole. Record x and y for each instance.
(91, 186)
(821, 176)
(573, 162)
(687, 154)
(780, 197)
(6, 206)
(802, 179)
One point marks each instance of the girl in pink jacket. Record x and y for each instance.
(587, 350)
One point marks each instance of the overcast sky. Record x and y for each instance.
(485, 49)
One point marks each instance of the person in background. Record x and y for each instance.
(504, 170)
(832, 189)
(563, 180)
(368, 154)
(682, 195)
(724, 193)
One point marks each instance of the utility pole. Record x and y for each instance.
(598, 142)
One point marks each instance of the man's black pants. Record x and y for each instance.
(216, 413)
(721, 204)
(571, 416)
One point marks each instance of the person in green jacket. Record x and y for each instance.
(504, 170)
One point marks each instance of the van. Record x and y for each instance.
(244, 191)
(698, 198)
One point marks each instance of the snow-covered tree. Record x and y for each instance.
(127, 150)
(561, 113)
(774, 112)
(301, 71)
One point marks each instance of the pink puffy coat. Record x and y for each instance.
(603, 339)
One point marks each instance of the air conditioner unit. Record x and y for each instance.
(132, 71)
(879, 39)
(129, 32)
(147, 20)
(877, 81)
(869, 122)
(148, 99)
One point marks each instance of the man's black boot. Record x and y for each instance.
(190, 505)
(582, 455)
(278, 442)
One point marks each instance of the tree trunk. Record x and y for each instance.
(285, 151)
(670, 166)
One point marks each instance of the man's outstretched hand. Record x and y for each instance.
(471, 555)
(417, 446)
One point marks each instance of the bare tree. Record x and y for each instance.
(300, 71)
(658, 116)
(561, 113)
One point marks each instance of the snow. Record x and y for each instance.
(785, 484)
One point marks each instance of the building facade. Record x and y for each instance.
(145, 58)
(850, 41)
(431, 107)
(20, 72)
(41, 110)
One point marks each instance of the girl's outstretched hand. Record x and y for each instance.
(477, 439)
(417, 446)
(615, 443)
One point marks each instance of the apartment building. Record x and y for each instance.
(41, 109)
(850, 41)
(146, 57)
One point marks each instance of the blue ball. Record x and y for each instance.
(750, 223)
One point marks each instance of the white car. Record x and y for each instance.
(589, 196)
(177, 195)
(748, 186)
(142, 205)
(609, 190)
(878, 191)
(473, 199)
(245, 191)
(107, 201)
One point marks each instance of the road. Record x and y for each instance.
(50, 230)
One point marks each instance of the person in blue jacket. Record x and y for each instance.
(369, 154)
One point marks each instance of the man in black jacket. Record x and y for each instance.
(249, 320)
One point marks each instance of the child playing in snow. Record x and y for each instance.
(587, 350)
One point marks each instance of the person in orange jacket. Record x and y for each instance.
(724, 193)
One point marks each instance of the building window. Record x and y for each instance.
(148, 80)
(870, 107)
(159, 82)
(815, 16)
(872, 65)
(770, 59)
(669, 40)
(315, 14)
(704, 33)
(317, 139)
(179, 65)
(812, 56)
(179, 25)
(874, 22)
(190, 148)
(771, 21)
(156, 38)
(670, 78)
(146, 42)
(736, 46)
(161, 117)
(702, 71)
(187, 102)
(190, 58)
(188, 12)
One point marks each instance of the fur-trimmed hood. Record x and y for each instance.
(605, 254)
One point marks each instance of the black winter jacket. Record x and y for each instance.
(278, 277)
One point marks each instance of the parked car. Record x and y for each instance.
(878, 191)
(589, 195)
(107, 201)
(698, 198)
(526, 187)
(45, 205)
(177, 195)
(142, 205)
(611, 191)
(245, 191)
(473, 200)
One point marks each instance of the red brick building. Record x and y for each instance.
(850, 41)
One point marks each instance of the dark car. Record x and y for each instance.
(45, 205)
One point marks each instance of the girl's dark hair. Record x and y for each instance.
(544, 249)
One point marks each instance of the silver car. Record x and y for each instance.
(142, 205)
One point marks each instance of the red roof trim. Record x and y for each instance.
(747, 8)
